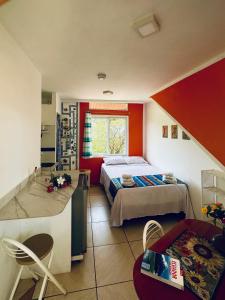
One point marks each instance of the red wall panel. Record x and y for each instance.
(135, 113)
(198, 104)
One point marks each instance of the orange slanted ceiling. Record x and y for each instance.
(198, 104)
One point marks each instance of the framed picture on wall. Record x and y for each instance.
(185, 136)
(174, 131)
(165, 131)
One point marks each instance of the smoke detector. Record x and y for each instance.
(101, 76)
(146, 25)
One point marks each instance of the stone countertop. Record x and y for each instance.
(34, 201)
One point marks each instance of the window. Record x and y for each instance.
(109, 135)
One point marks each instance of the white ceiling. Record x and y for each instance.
(70, 41)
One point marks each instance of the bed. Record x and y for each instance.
(137, 202)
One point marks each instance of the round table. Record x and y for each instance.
(148, 288)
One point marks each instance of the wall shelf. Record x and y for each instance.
(216, 190)
(213, 186)
(213, 189)
(216, 173)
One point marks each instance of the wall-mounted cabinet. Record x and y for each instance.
(48, 108)
(48, 128)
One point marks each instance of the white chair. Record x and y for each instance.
(152, 229)
(32, 251)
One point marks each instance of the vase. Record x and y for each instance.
(219, 241)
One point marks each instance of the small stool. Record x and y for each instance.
(32, 251)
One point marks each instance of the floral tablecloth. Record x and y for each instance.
(202, 265)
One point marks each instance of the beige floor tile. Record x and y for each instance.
(82, 276)
(89, 236)
(88, 214)
(81, 295)
(134, 229)
(137, 246)
(100, 213)
(120, 291)
(113, 263)
(96, 190)
(23, 287)
(104, 234)
(99, 200)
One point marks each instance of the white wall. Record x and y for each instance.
(58, 103)
(185, 158)
(20, 114)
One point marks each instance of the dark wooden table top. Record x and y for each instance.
(148, 288)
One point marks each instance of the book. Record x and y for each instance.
(163, 268)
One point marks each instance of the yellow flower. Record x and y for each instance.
(204, 210)
(195, 279)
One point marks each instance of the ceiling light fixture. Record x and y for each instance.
(101, 76)
(146, 25)
(108, 92)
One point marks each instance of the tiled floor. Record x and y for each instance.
(106, 271)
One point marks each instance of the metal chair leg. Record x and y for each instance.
(51, 277)
(45, 278)
(35, 276)
(16, 283)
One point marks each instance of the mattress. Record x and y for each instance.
(135, 202)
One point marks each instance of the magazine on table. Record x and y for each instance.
(163, 268)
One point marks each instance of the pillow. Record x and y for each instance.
(114, 160)
(135, 160)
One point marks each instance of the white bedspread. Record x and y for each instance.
(131, 203)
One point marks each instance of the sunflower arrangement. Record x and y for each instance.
(216, 211)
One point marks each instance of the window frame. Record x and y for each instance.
(127, 134)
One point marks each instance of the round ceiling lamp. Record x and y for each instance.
(108, 92)
(101, 76)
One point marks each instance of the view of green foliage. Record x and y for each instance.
(99, 135)
(109, 135)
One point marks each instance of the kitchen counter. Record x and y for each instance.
(34, 201)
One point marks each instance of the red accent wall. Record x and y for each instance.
(198, 104)
(135, 113)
